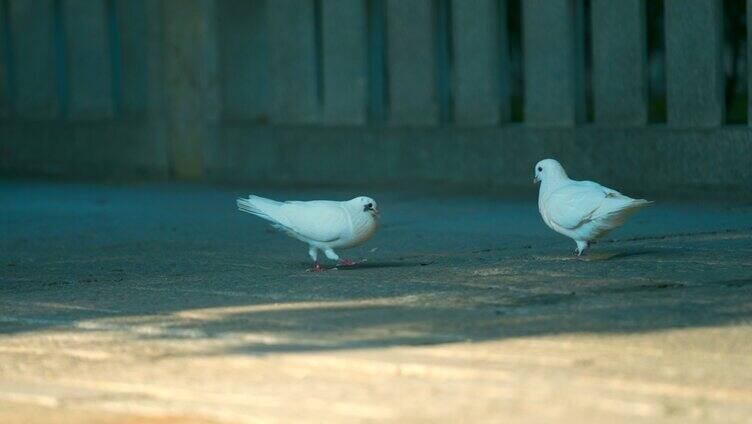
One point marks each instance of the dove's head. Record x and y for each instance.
(365, 204)
(549, 169)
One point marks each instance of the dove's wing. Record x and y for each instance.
(320, 221)
(576, 203)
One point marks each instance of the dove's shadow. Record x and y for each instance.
(634, 253)
(609, 255)
(612, 255)
(376, 265)
(387, 264)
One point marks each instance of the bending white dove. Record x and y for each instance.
(323, 224)
(580, 210)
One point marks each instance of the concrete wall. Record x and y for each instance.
(364, 92)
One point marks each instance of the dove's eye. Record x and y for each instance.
(540, 169)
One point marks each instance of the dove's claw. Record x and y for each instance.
(316, 268)
(346, 262)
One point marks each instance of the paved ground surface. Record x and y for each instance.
(161, 303)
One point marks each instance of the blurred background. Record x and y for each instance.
(649, 96)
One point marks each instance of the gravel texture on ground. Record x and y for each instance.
(161, 303)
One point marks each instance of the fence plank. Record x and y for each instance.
(411, 63)
(345, 64)
(132, 19)
(88, 59)
(5, 90)
(553, 51)
(243, 59)
(36, 77)
(694, 63)
(292, 61)
(481, 62)
(620, 86)
(139, 28)
(377, 78)
(191, 83)
(749, 68)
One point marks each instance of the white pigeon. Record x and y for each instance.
(323, 224)
(580, 210)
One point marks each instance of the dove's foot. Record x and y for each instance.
(316, 268)
(344, 263)
(579, 255)
(581, 247)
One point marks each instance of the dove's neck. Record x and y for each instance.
(552, 183)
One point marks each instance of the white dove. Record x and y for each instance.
(580, 210)
(323, 224)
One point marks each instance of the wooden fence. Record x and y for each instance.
(173, 87)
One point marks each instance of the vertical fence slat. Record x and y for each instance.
(132, 27)
(477, 26)
(694, 63)
(411, 62)
(243, 58)
(191, 80)
(292, 61)
(88, 58)
(4, 64)
(377, 79)
(155, 58)
(749, 62)
(36, 78)
(620, 86)
(135, 22)
(553, 62)
(344, 61)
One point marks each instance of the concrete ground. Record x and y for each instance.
(161, 303)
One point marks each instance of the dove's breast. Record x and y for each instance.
(544, 213)
(565, 210)
(362, 230)
(550, 222)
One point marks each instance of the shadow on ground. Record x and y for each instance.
(178, 262)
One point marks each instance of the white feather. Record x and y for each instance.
(581, 210)
(322, 224)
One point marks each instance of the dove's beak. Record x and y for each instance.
(536, 180)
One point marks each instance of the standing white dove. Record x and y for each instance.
(580, 210)
(323, 224)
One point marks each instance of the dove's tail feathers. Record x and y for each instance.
(620, 211)
(259, 206)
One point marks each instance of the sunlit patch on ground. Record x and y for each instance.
(135, 310)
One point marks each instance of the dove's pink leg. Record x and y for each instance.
(313, 253)
(346, 262)
(316, 267)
